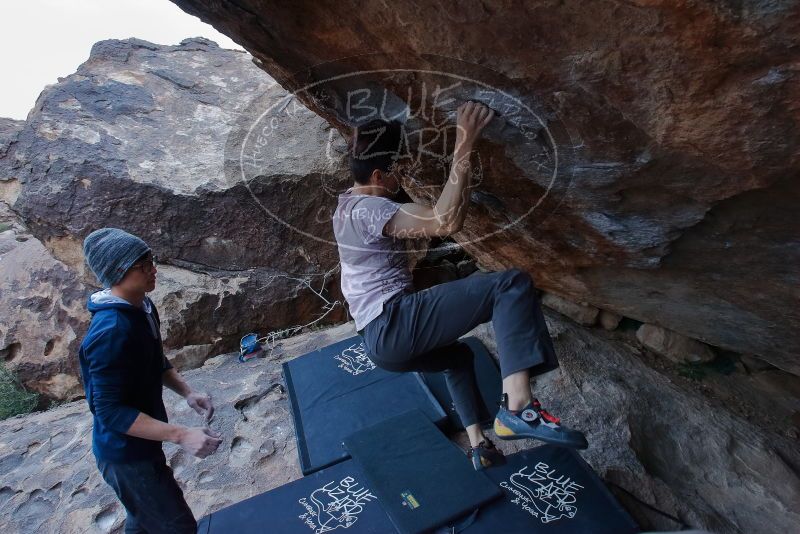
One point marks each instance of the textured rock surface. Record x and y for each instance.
(42, 312)
(608, 319)
(674, 128)
(136, 139)
(673, 345)
(709, 466)
(580, 313)
(665, 441)
(9, 131)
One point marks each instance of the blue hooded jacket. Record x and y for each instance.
(122, 363)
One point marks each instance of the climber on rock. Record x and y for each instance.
(124, 370)
(405, 330)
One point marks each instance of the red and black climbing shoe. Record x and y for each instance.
(485, 455)
(535, 422)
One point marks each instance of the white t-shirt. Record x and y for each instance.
(374, 266)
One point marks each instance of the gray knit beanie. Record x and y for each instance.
(110, 252)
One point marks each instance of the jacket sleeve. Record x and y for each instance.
(109, 373)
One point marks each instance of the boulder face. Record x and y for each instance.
(43, 313)
(645, 160)
(42, 301)
(9, 131)
(137, 139)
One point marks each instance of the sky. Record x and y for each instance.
(41, 40)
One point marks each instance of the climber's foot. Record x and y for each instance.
(534, 422)
(485, 455)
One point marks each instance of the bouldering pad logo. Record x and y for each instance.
(409, 500)
(354, 359)
(543, 493)
(335, 505)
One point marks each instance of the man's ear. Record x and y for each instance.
(376, 178)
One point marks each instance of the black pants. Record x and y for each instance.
(151, 497)
(419, 332)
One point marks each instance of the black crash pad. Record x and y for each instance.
(337, 390)
(335, 498)
(550, 490)
(422, 479)
(546, 490)
(487, 375)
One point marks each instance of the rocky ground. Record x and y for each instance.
(651, 432)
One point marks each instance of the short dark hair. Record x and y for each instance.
(375, 145)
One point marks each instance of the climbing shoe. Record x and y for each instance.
(485, 455)
(534, 422)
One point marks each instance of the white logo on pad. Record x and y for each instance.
(354, 359)
(335, 505)
(541, 492)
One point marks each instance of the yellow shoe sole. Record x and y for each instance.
(502, 430)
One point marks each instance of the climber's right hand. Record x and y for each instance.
(200, 441)
(471, 119)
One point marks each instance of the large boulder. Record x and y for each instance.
(138, 139)
(42, 312)
(645, 160)
(670, 446)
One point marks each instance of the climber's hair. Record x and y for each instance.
(375, 145)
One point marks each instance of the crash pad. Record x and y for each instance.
(422, 479)
(336, 390)
(330, 499)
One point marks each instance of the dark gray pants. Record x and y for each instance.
(151, 497)
(419, 332)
